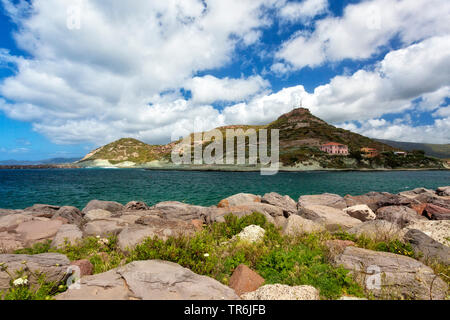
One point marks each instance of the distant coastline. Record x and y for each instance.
(212, 168)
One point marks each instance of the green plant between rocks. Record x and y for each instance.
(214, 252)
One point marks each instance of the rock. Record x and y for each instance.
(332, 219)
(72, 214)
(443, 191)
(295, 225)
(130, 236)
(400, 215)
(7, 212)
(37, 231)
(104, 227)
(218, 214)
(419, 208)
(53, 265)
(379, 230)
(376, 200)
(414, 193)
(86, 267)
(130, 218)
(149, 280)
(279, 222)
(391, 275)
(326, 199)
(9, 242)
(286, 203)
(282, 292)
(180, 211)
(245, 280)
(42, 210)
(437, 230)
(361, 212)
(67, 232)
(110, 206)
(434, 212)
(338, 245)
(252, 234)
(136, 206)
(198, 224)
(443, 202)
(238, 199)
(430, 248)
(97, 214)
(12, 221)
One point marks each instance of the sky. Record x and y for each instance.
(77, 74)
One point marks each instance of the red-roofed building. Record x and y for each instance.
(335, 148)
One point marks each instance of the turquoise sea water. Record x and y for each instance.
(22, 188)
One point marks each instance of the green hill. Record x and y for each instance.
(301, 135)
(128, 149)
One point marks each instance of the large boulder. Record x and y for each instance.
(149, 280)
(245, 280)
(71, 214)
(437, 230)
(388, 275)
(332, 219)
(132, 235)
(400, 215)
(286, 203)
(282, 292)
(110, 206)
(361, 212)
(69, 233)
(376, 200)
(104, 227)
(296, 225)
(379, 230)
(97, 214)
(326, 199)
(9, 242)
(238, 199)
(418, 191)
(52, 265)
(443, 202)
(34, 231)
(428, 247)
(42, 210)
(434, 212)
(180, 211)
(12, 221)
(443, 191)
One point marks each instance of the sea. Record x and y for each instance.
(76, 187)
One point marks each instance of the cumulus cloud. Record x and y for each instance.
(119, 73)
(209, 89)
(418, 72)
(303, 11)
(364, 29)
(438, 132)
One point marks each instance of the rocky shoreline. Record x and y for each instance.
(402, 238)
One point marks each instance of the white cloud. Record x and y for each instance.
(364, 29)
(436, 133)
(209, 89)
(95, 84)
(303, 11)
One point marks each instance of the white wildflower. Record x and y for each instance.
(206, 255)
(20, 281)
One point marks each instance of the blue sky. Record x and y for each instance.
(76, 75)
